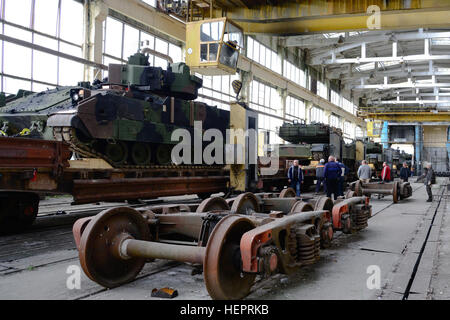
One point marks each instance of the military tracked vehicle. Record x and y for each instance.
(26, 113)
(324, 139)
(127, 120)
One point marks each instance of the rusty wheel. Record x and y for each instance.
(323, 203)
(301, 206)
(99, 246)
(245, 204)
(212, 204)
(78, 229)
(326, 235)
(350, 194)
(288, 193)
(358, 188)
(224, 279)
(395, 192)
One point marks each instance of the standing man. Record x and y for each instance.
(320, 176)
(332, 173)
(295, 176)
(344, 171)
(429, 180)
(364, 172)
(405, 173)
(386, 173)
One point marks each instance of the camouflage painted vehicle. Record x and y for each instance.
(26, 113)
(129, 119)
(307, 133)
(374, 154)
(324, 139)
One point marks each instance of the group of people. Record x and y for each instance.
(332, 176)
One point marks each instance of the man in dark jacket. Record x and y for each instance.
(332, 173)
(405, 173)
(295, 176)
(320, 169)
(429, 180)
(345, 171)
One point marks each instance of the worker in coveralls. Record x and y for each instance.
(332, 173)
(345, 170)
(295, 176)
(320, 169)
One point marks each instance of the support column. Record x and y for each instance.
(246, 79)
(283, 95)
(448, 148)
(95, 13)
(308, 107)
(385, 135)
(418, 150)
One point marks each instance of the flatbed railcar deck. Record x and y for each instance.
(31, 167)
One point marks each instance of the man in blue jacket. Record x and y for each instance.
(345, 171)
(295, 176)
(332, 173)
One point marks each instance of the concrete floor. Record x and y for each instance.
(34, 265)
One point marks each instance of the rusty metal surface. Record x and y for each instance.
(99, 242)
(224, 279)
(86, 191)
(156, 250)
(301, 206)
(288, 193)
(212, 204)
(245, 203)
(347, 214)
(187, 224)
(30, 153)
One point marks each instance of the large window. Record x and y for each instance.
(266, 99)
(322, 90)
(263, 55)
(217, 90)
(53, 24)
(295, 109)
(335, 121)
(349, 131)
(335, 98)
(317, 115)
(294, 73)
(122, 40)
(349, 106)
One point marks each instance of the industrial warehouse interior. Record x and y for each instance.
(245, 150)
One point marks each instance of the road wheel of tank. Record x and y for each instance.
(141, 153)
(164, 154)
(117, 152)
